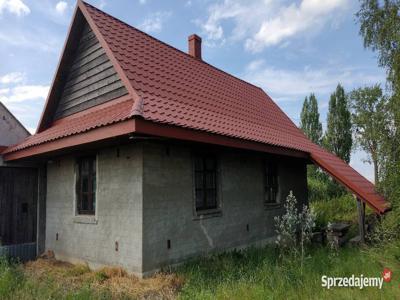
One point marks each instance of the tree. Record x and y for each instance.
(369, 122)
(338, 137)
(380, 27)
(309, 122)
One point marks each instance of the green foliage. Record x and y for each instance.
(101, 276)
(11, 278)
(341, 209)
(294, 228)
(338, 135)
(323, 188)
(369, 118)
(387, 230)
(309, 122)
(261, 274)
(287, 225)
(380, 27)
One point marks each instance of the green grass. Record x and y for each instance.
(260, 274)
(251, 274)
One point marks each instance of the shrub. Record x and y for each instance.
(338, 209)
(322, 188)
(294, 228)
(387, 229)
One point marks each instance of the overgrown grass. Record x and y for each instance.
(251, 274)
(260, 274)
(51, 279)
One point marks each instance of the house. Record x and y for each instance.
(11, 130)
(18, 192)
(154, 156)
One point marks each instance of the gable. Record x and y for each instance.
(11, 130)
(90, 78)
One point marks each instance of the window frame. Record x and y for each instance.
(92, 188)
(268, 165)
(207, 211)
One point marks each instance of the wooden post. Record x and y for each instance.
(361, 218)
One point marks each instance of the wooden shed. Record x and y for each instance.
(18, 194)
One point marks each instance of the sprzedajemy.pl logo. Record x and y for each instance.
(357, 281)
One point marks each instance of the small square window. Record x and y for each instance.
(86, 185)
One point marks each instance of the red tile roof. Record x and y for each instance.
(98, 116)
(171, 87)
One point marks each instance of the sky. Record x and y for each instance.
(289, 48)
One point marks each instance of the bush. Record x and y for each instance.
(387, 229)
(339, 209)
(322, 188)
(294, 228)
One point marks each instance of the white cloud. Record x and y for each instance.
(288, 84)
(23, 93)
(102, 4)
(154, 22)
(142, 1)
(4, 91)
(14, 77)
(263, 23)
(16, 7)
(31, 40)
(61, 7)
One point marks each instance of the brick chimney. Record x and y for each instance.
(195, 46)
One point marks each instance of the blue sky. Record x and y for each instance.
(289, 48)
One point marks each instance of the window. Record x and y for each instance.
(86, 185)
(271, 183)
(205, 173)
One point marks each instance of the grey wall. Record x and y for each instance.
(118, 216)
(11, 131)
(145, 198)
(168, 203)
(91, 80)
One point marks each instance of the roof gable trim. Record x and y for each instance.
(79, 13)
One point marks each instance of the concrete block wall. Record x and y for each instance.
(168, 206)
(118, 211)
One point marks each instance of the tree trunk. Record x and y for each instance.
(376, 175)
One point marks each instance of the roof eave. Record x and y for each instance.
(140, 126)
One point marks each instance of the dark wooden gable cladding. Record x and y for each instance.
(91, 78)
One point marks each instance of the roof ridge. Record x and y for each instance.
(174, 48)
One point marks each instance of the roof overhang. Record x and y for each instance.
(141, 126)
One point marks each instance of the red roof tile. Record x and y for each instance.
(95, 117)
(171, 87)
